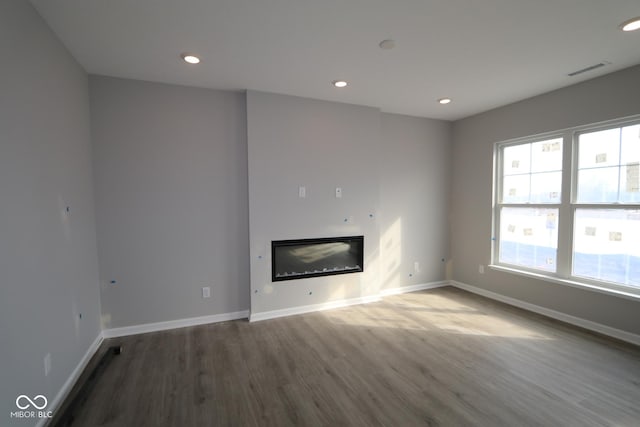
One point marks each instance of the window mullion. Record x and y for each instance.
(619, 161)
(497, 201)
(565, 220)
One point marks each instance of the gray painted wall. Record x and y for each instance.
(394, 177)
(613, 96)
(171, 200)
(48, 258)
(414, 200)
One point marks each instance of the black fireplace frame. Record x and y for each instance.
(296, 242)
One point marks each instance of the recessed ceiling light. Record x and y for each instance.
(339, 83)
(190, 58)
(631, 24)
(444, 101)
(387, 44)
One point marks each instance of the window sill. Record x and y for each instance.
(566, 282)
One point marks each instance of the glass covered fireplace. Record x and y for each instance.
(298, 259)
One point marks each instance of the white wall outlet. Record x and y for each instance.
(206, 292)
(47, 364)
(338, 192)
(302, 192)
(481, 269)
(416, 267)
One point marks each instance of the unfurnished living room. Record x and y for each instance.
(319, 213)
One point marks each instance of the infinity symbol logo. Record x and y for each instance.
(33, 403)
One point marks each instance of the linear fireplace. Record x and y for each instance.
(302, 258)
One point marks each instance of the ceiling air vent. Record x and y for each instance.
(589, 68)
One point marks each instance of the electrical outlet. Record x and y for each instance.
(416, 267)
(481, 269)
(206, 292)
(47, 364)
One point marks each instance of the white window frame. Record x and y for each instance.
(566, 211)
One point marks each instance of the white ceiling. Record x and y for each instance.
(481, 53)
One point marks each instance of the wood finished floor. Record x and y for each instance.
(442, 357)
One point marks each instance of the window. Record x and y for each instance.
(606, 238)
(567, 206)
(608, 162)
(528, 205)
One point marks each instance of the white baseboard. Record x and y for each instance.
(255, 317)
(413, 288)
(577, 321)
(173, 324)
(64, 391)
(311, 308)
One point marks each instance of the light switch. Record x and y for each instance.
(338, 192)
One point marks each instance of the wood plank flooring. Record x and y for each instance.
(442, 357)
